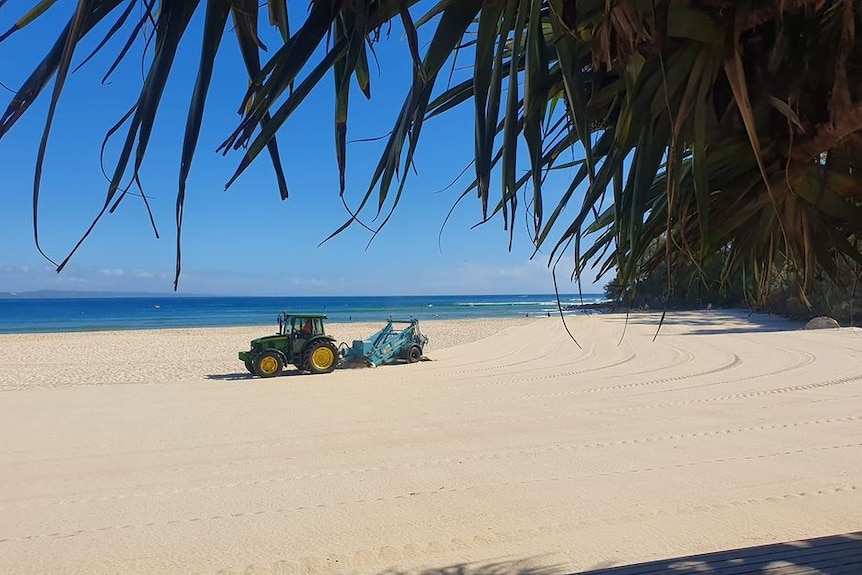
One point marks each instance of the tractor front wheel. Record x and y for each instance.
(249, 366)
(268, 364)
(320, 357)
(414, 354)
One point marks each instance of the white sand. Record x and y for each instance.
(513, 451)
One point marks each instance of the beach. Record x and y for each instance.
(513, 450)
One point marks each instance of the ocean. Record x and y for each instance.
(122, 313)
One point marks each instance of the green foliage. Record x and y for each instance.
(688, 287)
(703, 130)
(839, 298)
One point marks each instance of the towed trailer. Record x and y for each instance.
(389, 345)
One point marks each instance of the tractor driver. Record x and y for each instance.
(306, 327)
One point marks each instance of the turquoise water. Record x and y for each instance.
(93, 314)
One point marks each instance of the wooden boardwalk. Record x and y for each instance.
(833, 555)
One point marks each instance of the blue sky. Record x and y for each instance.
(244, 241)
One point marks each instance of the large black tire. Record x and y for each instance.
(320, 357)
(414, 354)
(249, 366)
(268, 363)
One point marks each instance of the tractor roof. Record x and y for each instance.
(309, 315)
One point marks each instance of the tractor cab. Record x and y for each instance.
(301, 326)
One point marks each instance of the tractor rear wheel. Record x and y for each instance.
(414, 354)
(320, 357)
(268, 364)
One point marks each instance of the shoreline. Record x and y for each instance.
(350, 327)
(142, 356)
(355, 328)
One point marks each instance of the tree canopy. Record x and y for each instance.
(698, 128)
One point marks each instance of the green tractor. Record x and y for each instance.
(301, 341)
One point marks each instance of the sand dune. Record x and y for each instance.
(513, 451)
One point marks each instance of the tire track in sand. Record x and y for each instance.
(480, 457)
(437, 546)
(735, 361)
(426, 428)
(807, 359)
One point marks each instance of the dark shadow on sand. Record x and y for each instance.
(832, 555)
(501, 568)
(708, 323)
(246, 376)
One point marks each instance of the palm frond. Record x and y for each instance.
(698, 129)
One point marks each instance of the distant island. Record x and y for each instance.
(77, 294)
